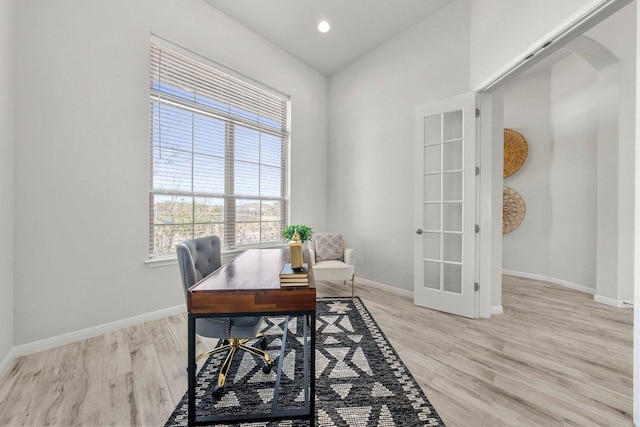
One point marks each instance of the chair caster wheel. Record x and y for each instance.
(266, 368)
(263, 343)
(217, 392)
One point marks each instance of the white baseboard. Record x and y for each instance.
(496, 309)
(409, 294)
(383, 287)
(612, 302)
(83, 334)
(597, 298)
(565, 283)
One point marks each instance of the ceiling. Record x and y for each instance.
(357, 26)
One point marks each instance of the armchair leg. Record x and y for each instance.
(353, 282)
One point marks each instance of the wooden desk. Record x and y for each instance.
(250, 285)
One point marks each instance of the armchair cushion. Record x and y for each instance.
(328, 247)
(332, 270)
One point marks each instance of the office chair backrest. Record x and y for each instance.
(198, 258)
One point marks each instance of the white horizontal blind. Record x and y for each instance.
(218, 156)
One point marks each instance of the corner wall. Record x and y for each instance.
(7, 143)
(82, 152)
(527, 111)
(371, 138)
(556, 111)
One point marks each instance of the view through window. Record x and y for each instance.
(218, 155)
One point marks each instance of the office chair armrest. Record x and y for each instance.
(349, 256)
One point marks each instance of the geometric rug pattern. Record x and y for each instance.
(360, 380)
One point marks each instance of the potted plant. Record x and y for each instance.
(304, 231)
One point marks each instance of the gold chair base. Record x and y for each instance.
(232, 347)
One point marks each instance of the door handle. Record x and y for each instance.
(419, 231)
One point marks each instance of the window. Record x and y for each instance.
(218, 155)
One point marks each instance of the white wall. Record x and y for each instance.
(556, 111)
(527, 110)
(371, 137)
(82, 147)
(7, 135)
(573, 172)
(503, 31)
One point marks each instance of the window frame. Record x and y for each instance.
(159, 98)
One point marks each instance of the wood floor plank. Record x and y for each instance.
(118, 406)
(554, 358)
(117, 354)
(49, 397)
(152, 397)
(17, 387)
(173, 363)
(84, 378)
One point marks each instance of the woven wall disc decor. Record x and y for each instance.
(513, 209)
(515, 152)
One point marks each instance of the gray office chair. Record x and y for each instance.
(197, 259)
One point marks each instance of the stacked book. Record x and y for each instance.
(291, 277)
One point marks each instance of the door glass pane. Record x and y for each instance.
(432, 188)
(432, 216)
(452, 247)
(432, 129)
(452, 217)
(452, 276)
(452, 125)
(432, 275)
(431, 246)
(453, 186)
(452, 155)
(432, 158)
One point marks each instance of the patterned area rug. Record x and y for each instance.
(361, 381)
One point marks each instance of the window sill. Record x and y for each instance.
(161, 261)
(166, 260)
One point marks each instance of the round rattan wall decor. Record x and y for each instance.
(515, 152)
(513, 209)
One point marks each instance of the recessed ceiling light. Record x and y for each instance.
(324, 26)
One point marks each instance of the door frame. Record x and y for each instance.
(491, 161)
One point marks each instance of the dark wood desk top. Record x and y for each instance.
(250, 283)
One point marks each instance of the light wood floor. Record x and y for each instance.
(554, 358)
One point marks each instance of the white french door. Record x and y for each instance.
(445, 205)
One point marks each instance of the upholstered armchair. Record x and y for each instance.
(330, 259)
(197, 259)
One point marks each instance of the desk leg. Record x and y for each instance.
(312, 392)
(191, 371)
